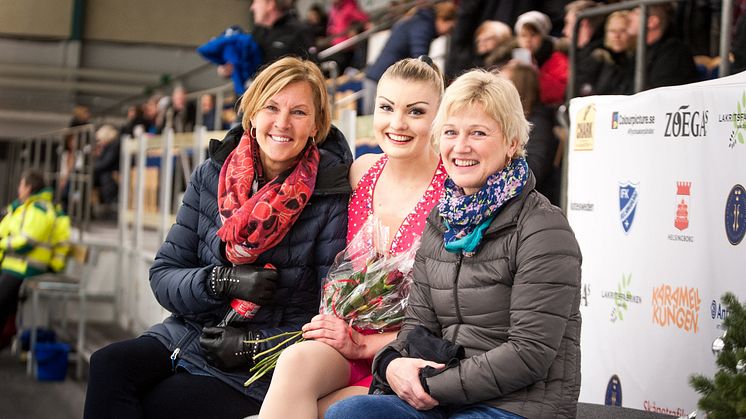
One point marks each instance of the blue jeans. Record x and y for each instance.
(390, 406)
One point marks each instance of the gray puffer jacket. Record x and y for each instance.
(513, 306)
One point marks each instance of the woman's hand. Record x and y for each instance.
(336, 333)
(403, 376)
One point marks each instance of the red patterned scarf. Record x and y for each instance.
(254, 223)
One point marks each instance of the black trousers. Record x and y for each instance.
(133, 379)
(9, 286)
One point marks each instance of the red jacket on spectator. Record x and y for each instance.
(553, 79)
(342, 14)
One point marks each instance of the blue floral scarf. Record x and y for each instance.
(468, 216)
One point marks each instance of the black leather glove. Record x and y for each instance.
(245, 282)
(225, 347)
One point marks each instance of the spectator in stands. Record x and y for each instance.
(669, 61)
(181, 112)
(135, 117)
(589, 39)
(342, 15)
(617, 69)
(81, 116)
(317, 22)
(410, 38)
(106, 163)
(493, 43)
(739, 45)
(208, 111)
(274, 191)
(278, 32)
(471, 13)
(150, 113)
(406, 183)
(236, 54)
(542, 146)
(492, 328)
(30, 241)
(72, 157)
(532, 30)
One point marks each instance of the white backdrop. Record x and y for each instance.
(657, 203)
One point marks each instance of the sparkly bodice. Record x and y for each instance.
(411, 228)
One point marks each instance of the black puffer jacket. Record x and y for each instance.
(179, 274)
(513, 306)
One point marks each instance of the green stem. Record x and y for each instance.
(279, 345)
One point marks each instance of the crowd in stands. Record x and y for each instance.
(264, 217)
(483, 34)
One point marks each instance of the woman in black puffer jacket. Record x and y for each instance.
(272, 194)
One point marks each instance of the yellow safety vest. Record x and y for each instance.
(29, 233)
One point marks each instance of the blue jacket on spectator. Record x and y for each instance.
(179, 274)
(238, 48)
(409, 38)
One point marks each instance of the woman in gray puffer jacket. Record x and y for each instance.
(493, 325)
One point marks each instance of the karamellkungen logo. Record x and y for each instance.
(685, 123)
(636, 123)
(676, 307)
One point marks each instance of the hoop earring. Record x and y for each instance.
(509, 159)
(313, 140)
(252, 132)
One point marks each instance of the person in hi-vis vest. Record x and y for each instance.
(34, 237)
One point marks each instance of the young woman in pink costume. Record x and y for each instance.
(400, 188)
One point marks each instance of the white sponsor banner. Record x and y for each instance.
(656, 199)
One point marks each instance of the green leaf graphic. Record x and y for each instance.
(740, 137)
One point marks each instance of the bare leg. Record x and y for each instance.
(305, 372)
(339, 395)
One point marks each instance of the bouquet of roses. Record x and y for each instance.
(367, 289)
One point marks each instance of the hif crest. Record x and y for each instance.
(628, 198)
(683, 193)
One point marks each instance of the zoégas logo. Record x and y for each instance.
(685, 123)
(676, 307)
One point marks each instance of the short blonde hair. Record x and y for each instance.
(499, 100)
(279, 75)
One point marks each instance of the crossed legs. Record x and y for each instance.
(309, 377)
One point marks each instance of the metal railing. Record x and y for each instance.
(641, 49)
